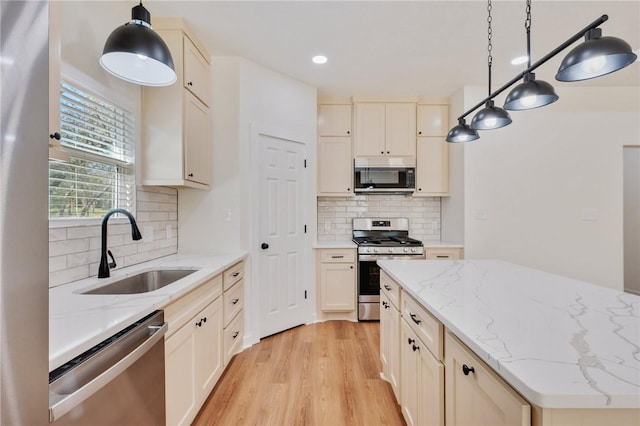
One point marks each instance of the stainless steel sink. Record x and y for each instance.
(143, 282)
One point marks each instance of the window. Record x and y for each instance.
(100, 139)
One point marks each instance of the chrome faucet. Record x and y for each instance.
(103, 270)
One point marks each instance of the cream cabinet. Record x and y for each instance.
(334, 120)
(422, 381)
(390, 341)
(176, 129)
(335, 166)
(337, 280)
(385, 129)
(432, 151)
(443, 253)
(475, 394)
(233, 298)
(193, 350)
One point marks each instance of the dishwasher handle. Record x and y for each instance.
(68, 402)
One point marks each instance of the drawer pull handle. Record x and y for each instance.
(235, 335)
(442, 256)
(387, 287)
(415, 319)
(235, 274)
(416, 348)
(410, 340)
(234, 301)
(466, 369)
(337, 257)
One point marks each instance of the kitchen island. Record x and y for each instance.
(569, 348)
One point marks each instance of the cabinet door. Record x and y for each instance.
(196, 72)
(409, 378)
(337, 287)
(335, 166)
(432, 167)
(479, 397)
(432, 120)
(209, 347)
(390, 343)
(370, 130)
(180, 375)
(334, 120)
(197, 141)
(400, 129)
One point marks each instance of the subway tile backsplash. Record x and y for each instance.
(335, 214)
(74, 251)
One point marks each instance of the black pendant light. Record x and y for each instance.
(490, 117)
(531, 93)
(137, 54)
(595, 57)
(462, 133)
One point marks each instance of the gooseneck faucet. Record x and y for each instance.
(103, 270)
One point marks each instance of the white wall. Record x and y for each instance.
(550, 185)
(245, 96)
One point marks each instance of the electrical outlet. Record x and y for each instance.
(147, 233)
(589, 214)
(480, 214)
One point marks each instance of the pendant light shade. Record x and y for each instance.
(529, 94)
(595, 57)
(462, 133)
(490, 117)
(137, 54)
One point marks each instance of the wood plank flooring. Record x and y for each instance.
(324, 374)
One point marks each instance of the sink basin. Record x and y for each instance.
(143, 282)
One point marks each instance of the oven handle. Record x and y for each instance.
(373, 257)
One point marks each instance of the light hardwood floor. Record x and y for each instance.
(325, 374)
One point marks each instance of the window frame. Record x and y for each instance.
(114, 95)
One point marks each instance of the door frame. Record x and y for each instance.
(252, 317)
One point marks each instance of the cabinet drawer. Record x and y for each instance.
(474, 391)
(442, 253)
(233, 275)
(338, 255)
(177, 313)
(233, 301)
(391, 288)
(233, 334)
(426, 326)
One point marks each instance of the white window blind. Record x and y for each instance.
(100, 139)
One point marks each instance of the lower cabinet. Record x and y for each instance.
(193, 363)
(422, 381)
(390, 342)
(475, 394)
(337, 280)
(443, 253)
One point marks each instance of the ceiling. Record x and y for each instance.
(414, 48)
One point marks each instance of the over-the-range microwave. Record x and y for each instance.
(384, 175)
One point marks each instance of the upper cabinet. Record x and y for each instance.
(385, 129)
(334, 120)
(432, 152)
(335, 158)
(176, 130)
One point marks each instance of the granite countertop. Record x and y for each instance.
(78, 322)
(560, 342)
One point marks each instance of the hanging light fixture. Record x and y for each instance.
(462, 133)
(137, 54)
(490, 117)
(595, 57)
(531, 93)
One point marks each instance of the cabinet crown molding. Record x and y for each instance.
(385, 99)
(177, 23)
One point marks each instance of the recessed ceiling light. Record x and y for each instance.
(520, 60)
(319, 59)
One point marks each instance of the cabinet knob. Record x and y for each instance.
(381, 152)
(351, 267)
(204, 319)
(235, 334)
(410, 341)
(419, 133)
(234, 301)
(264, 246)
(190, 175)
(419, 189)
(199, 323)
(348, 189)
(415, 348)
(388, 152)
(387, 287)
(235, 274)
(348, 132)
(415, 319)
(466, 369)
(190, 83)
(55, 136)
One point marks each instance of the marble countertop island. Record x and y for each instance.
(560, 342)
(77, 322)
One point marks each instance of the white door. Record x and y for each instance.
(281, 281)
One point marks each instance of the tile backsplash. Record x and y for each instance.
(74, 251)
(335, 214)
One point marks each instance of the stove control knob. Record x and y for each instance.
(406, 249)
(413, 249)
(375, 250)
(390, 250)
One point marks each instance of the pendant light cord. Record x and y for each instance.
(489, 44)
(527, 26)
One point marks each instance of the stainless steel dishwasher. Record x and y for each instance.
(117, 382)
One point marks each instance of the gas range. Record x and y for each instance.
(385, 237)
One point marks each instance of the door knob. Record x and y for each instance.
(264, 246)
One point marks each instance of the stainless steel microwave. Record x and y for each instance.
(389, 175)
